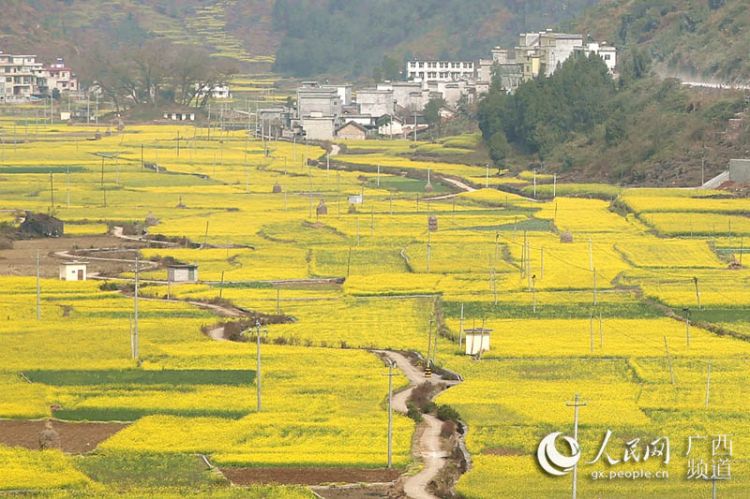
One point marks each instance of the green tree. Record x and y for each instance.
(432, 112)
(499, 148)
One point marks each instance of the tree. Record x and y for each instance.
(432, 112)
(499, 148)
(154, 73)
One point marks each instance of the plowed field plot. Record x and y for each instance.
(75, 438)
(307, 476)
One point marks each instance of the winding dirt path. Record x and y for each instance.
(430, 443)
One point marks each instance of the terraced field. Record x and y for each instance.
(584, 295)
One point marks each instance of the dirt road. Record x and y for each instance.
(430, 444)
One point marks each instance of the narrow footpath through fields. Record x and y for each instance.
(430, 445)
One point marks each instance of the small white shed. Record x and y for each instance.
(73, 271)
(477, 340)
(182, 273)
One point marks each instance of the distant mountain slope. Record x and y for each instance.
(237, 29)
(335, 36)
(708, 39)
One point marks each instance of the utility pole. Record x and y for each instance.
(742, 249)
(429, 250)
(52, 192)
(533, 292)
(435, 345)
(415, 127)
(669, 361)
(591, 256)
(461, 327)
(38, 290)
(596, 297)
(541, 264)
(687, 326)
(390, 414)
(708, 384)
(135, 309)
(349, 262)
(554, 186)
(697, 292)
(429, 343)
(257, 374)
(576, 404)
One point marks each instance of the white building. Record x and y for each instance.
(312, 98)
(220, 91)
(477, 341)
(343, 91)
(182, 273)
(73, 271)
(440, 70)
(318, 127)
(394, 128)
(60, 77)
(608, 53)
(376, 102)
(21, 76)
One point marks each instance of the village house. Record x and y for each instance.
(420, 70)
(182, 273)
(351, 131)
(539, 54)
(318, 127)
(312, 98)
(376, 102)
(344, 92)
(60, 77)
(219, 91)
(73, 271)
(20, 77)
(392, 127)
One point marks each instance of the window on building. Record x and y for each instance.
(607, 57)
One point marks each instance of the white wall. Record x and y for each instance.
(473, 342)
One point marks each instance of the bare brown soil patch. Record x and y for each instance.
(21, 260)
(503, 451)
(75, 438)
(381, 491)
(307, 476)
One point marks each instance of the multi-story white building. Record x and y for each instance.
(60, 77)
(20, 75)
(219, 91)
(376, 102)
(312, 98)
(539, 54)
(608, 53)
(440, 70)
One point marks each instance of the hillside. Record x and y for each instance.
(329, 36)
(228, 28)
(691, 39)
(638, 129)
